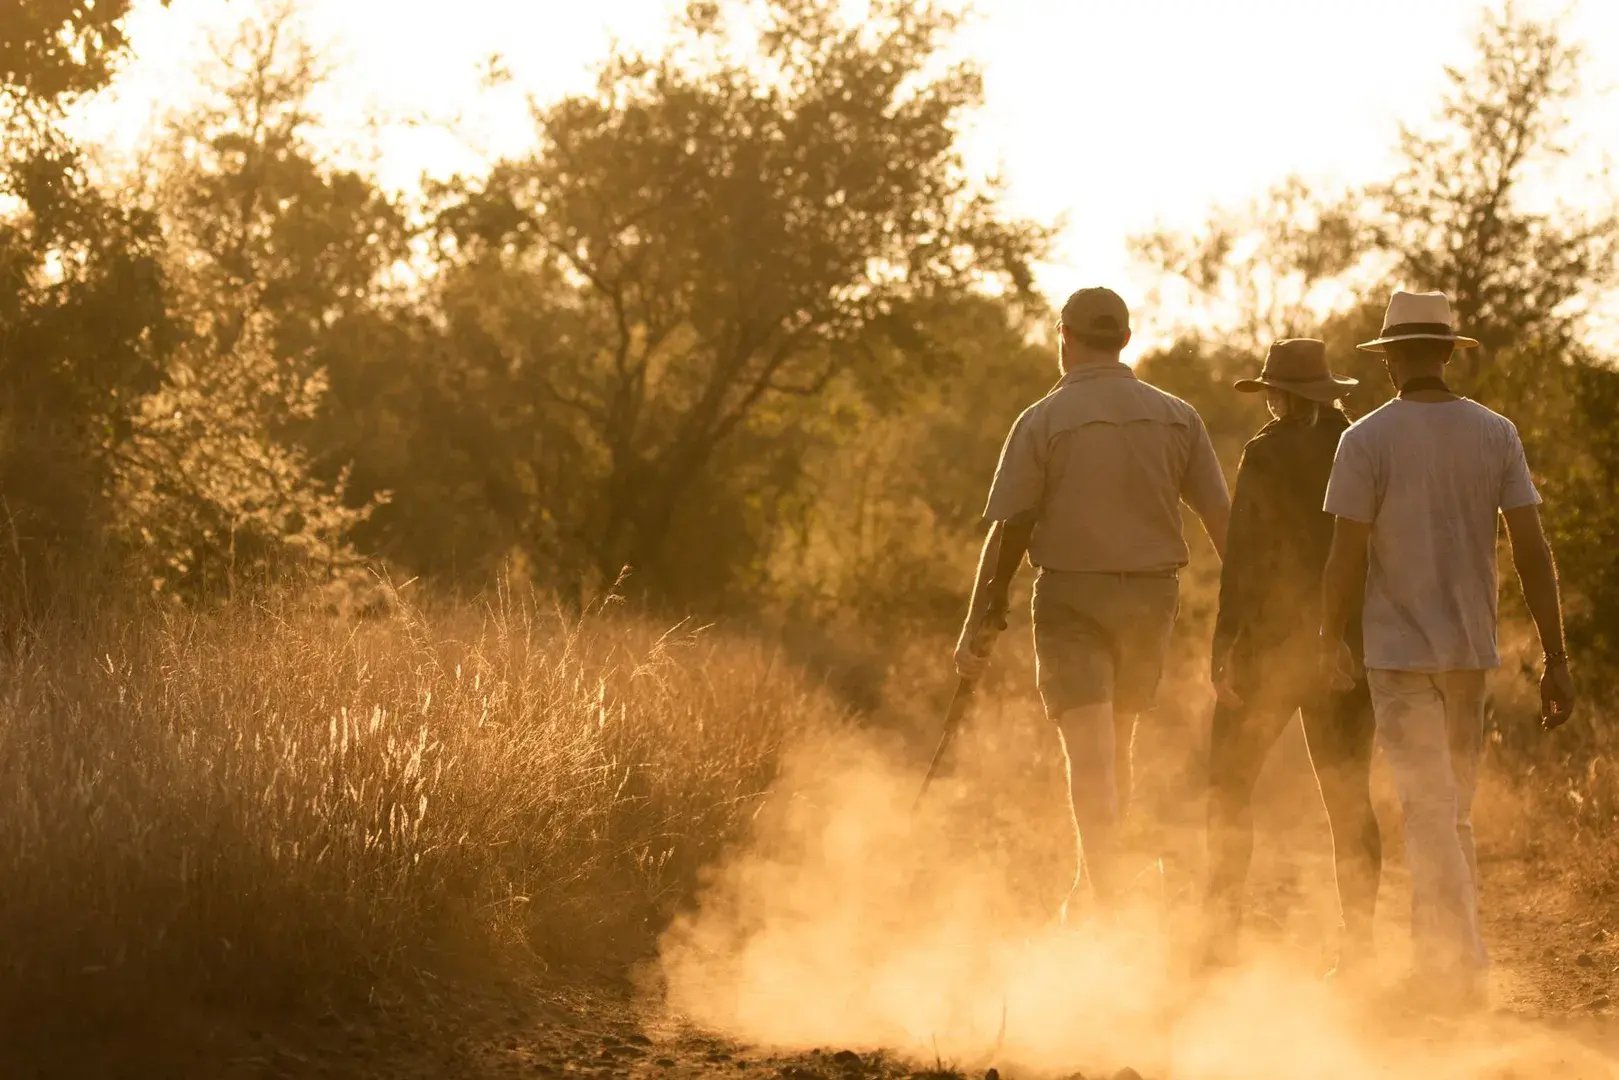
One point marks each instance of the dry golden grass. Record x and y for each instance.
(270, 804)
(1565, 784)
(268, 807)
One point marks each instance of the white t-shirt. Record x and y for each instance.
(1429, 478)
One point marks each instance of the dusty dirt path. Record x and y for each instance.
(1555, 942)
(1554, 939)
(1556, 950)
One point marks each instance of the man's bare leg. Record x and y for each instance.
(1097, 748)
(1124, 748)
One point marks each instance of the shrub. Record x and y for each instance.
(271, 802)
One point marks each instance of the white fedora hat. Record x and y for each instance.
(1418, 317)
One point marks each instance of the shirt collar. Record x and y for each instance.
(1087, 372)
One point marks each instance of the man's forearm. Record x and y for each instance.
(1014, 545)
(1537, 572)
(1004, 548)
(1343, 585)
(988, 559)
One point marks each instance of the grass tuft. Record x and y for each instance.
(263, 805)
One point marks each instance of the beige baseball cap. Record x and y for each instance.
(1095, 310)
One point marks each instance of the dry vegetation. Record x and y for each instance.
(277, 811)
(262, 804)
(271, 800)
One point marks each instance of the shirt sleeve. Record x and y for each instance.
(1020, 477)
(1517, 486)
(1203, 485)
(1352, 488)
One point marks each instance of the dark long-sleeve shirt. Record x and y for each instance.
(1270, 584)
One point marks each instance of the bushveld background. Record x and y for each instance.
(412, 592)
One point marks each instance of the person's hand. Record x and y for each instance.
(970, 663)
(1556, 694)
(1338, 665)
(1225, 684)
(977, 641)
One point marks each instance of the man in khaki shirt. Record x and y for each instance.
(1090, 484)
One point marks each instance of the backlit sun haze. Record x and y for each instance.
(1108, 119)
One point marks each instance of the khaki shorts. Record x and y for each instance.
(1102, 637)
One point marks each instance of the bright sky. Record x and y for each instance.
(1110, 116)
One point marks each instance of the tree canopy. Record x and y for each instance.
(740, 318)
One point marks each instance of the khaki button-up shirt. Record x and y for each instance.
(1103, 461)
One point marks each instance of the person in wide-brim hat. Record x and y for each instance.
(1264, 669)
(1417, 494)
(1299, 366)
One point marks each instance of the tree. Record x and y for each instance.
(259, 215)
(1272, 269)
(54, 49)
(712, 235)
(267, 250)
(84, 330)
(209, 497)
(1452, 218)
(445, 407)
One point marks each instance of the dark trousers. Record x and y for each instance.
(1339, 729)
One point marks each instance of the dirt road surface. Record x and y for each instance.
(1554, 936)
(1557, 971)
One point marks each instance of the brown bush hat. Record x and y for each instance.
(1299, 366)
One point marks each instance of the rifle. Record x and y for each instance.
(1013, 544)
(953, 717)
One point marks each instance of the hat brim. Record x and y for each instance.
(1325, 391)
(1377, 345)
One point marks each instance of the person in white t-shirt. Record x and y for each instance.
(1415, 490)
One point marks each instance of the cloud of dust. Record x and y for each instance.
(846, 920)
